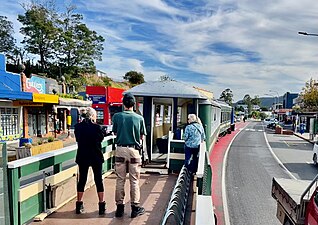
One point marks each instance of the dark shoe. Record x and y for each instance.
(136, 211)
(79, 208)
(102, 208)
(120, 210)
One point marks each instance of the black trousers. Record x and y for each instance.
(97, 170)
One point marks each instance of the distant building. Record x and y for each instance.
(100, 73)
(288, 99)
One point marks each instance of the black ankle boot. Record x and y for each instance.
(120, 210)
(136, 211)
(79, 208)
(102, 208)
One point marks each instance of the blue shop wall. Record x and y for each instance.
(8, 81)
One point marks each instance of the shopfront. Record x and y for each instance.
(106, 101)
(39, 115)
(11, 117)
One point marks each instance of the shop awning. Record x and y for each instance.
(15, 95)
(45, 98)
(74, 102)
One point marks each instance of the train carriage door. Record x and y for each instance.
(147, 114)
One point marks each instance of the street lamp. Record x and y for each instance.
(307, 34)
(277, 97)
(273, 96)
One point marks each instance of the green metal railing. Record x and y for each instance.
(22, 211)
(204, 192)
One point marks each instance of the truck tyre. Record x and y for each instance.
(314, 159)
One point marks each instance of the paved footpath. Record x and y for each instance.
(155, 194)
(216, 159)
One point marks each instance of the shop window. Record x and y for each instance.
(100, 117)
(9, 121)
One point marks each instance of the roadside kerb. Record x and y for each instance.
(304, 138)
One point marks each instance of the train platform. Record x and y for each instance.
(155, 191)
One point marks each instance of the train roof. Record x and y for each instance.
(223, 104)
(166, 89)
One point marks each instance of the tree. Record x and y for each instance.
(40, 31)
(256, 100)
(227, 96)
(309, 96)
(248, 101)
(77, 46)
(7, 42)
(134, 77)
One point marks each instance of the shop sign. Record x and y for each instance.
(45, 98)
(26, 103)
(35, 85)
(98, 99)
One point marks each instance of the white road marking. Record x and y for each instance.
(224, 197)
(260, 130)
(286, 144)
(277, 159)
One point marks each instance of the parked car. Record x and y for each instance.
(270, 120)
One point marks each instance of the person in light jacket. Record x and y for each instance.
(193, 136)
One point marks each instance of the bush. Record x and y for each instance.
(50, 139)
(40, 142)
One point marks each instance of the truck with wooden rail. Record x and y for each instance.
(297, 201)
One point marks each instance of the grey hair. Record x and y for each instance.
(192, 118)
(90, 113)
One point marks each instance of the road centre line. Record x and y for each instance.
(277, 159)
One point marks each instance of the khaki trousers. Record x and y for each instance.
(127, 157)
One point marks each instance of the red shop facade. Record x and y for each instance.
(106, 101)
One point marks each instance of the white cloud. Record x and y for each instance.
(155, 38)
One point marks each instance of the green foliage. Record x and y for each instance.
(258, 115)
(248, 101)
(134, 77)
(240, 108)
(40, 32)
(71, 95)
(106, 81)
(256, 100)
(77, 45)
(64, 44)
(309, 96)
(227, 96)
(7, 41)
(40, 142)
(50, 139)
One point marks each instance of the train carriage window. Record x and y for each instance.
(159, 115)
(167, 113)
(179, 115)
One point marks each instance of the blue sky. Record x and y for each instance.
(248, 46)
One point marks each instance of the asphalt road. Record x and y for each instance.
(251, 167)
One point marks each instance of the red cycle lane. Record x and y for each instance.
(216, 158)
